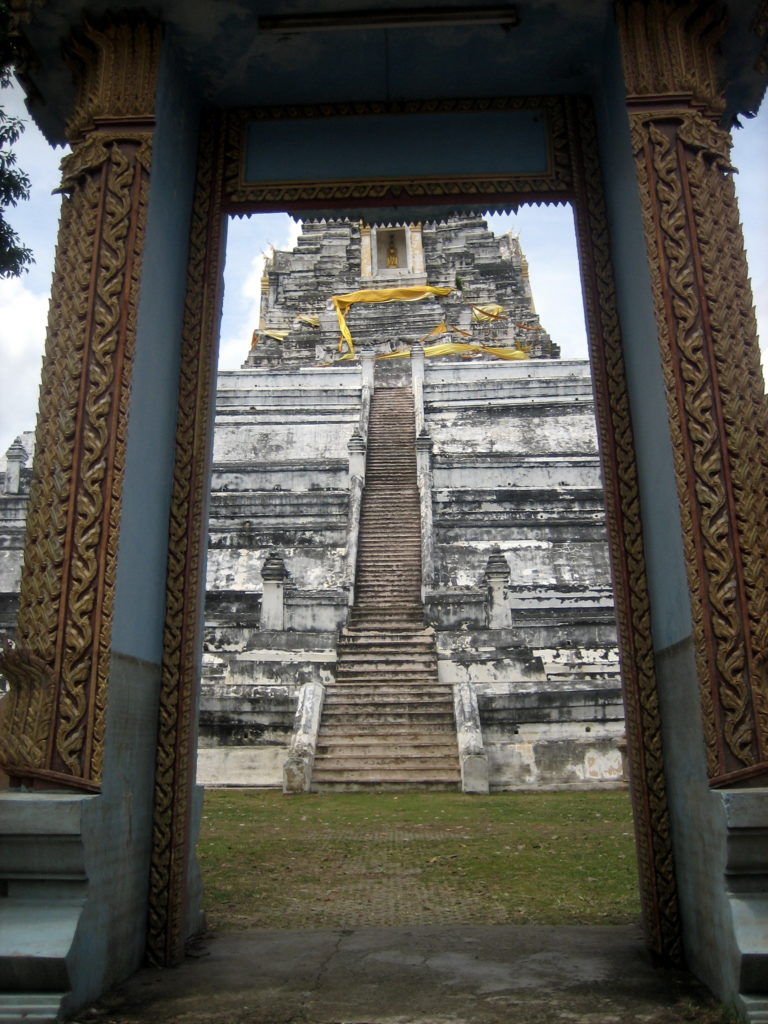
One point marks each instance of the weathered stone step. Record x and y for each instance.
(388, 589)
(373, 678)
(400, 712)
(410, 716)
(348, 654)
(406, 556)
(383, 680)
(406, 559)
(364, 655)
(393, 622)
(375, 554)
(397, 613)
(375, 744)
(408, 763)
(367, 677)
(396, 524)
(397, 663)
(405, 605)
(425, 633)
(387, 697)
(399, 482)
(384, 775)
(365, 639)
(397, 675)
(402, 642)
(382, 549)
(405, 601)
(385, 787)
(391, 611)
(372, 578)
(397, 732)
(354, 758)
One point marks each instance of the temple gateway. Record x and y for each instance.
(397, 121)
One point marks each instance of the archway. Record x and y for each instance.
(573, 173)
(682, 419)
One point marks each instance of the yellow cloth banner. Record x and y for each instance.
(482, 314)
(443, 328)
(407, 293)
(448, 348)
(310, 319)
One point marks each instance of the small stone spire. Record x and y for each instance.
(497, 567)
(274, 574)
(497, 575)
(356, 442)
(16, 458)
(274, 567)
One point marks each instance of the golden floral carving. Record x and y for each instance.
(716, 404)
(29, 679)
(67, 589)
(641, 699)
(744, 412)
(669, 51)
(115, 64)
(185, 580)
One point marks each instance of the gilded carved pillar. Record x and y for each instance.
(53, 728)
(707, 336)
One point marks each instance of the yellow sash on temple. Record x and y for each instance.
(407, 293)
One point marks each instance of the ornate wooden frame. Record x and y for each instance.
(574, 175)
(59, 666)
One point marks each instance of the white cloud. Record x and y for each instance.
(249, 240)
(548, 239)
(23, 315)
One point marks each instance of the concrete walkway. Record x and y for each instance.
(417, 975)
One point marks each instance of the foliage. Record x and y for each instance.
(14, 183)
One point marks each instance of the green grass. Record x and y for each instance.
(354, 859)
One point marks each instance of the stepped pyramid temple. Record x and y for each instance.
(444, 513)
(464, 564)
(399, 546)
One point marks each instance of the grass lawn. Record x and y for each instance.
(354, 859)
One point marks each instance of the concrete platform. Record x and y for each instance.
(429, 975)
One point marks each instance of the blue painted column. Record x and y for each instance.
(86, 672)
(699, 421)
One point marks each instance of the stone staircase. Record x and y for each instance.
(387, 722)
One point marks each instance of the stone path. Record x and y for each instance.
(461, 975)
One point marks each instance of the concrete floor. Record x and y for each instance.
(412, 975)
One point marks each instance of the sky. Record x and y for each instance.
(546, 235)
